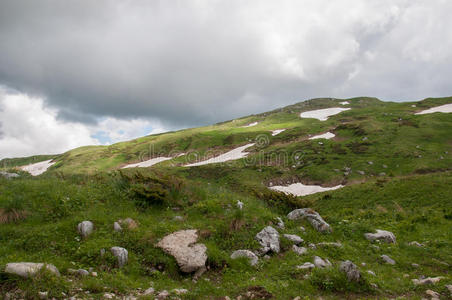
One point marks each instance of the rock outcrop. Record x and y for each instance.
(182, 245)
(312, 216)
(28, 269)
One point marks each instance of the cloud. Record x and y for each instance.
(189, 63)
(29, 128)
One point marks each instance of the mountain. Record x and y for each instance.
(359, 165)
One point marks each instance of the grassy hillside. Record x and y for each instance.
(396, 167)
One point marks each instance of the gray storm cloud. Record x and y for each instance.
(192, 63)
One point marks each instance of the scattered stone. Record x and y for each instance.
(269, 240)
(280, 223)
(361, 172)
(375, 247)
(312, 216)
(129, 223)
(117, 227)
(149, 291)
(417, 244)
(253, 259)
(27, 269)
(94, 274)
(240, 204)
(382, 174)
(102, 252)
(320, 263)
(306, 266)
(179, 291)
(449, 287)
(432, 294)
(256, 292)
(85, 228)
(293, 238)
(415, 265)
(428, 280)
(385, 166)
(121, 254)
(299, 250)
(382, 235)
(350, 270)
(371, 273)
(178, 218)
(387, 259)
(312, 246)
(302, 228)
(162, 295)
(43, 295)
(370, 162)
(109, 295)
(190, 256)
(329, 244)
(79, 272)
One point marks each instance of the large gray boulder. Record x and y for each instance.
(121, 254)
(253, 259)
(350, 270)
(85, 228)
(312, 216)
(381, 235)
(28, 269)
(182, 245)
(269, 240)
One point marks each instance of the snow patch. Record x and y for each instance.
(322, 114)
(147, 163)
(277, 131)
(38, 168)
(344, 103)
(299, 189)
(327, 135)
(234, 154)
(251, 124)
(446, 108)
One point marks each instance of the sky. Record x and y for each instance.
(81, 72)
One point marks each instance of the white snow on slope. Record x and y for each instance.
(251, 124)
(37, 168)
(322, 114)
(344, 103)
(277, 131)
(327, 135)
(446, 108)
(234, 154)
(147, 163)
(299, 189)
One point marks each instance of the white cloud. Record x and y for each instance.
(28, 127)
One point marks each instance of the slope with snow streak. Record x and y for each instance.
(277, 131)
(322, 114)
(328, 135)
(38, 168)
(147, 163)
(299, 189)
(251, 124)
(446, 108)
(234, 154)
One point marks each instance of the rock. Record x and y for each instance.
(85, 228)
(121, 254)
(178, 218)
(179, 291)
(79, 272)
(280, 223)
(302, 228)
(329, 244)
(253, 259)
(239, 204)
(312, 216)
(43, 295)
(320, 263)
(417, 244)
(28, 269)
(449, 287)
(94, 274)
(350, 270)
(269, 240)
(293, 238)
(117, 227)
(8, 175)
(299, 250)
(371, 273)
(387, 259)
(415, 265)
(381, 235)
(370, 162)
(361, 172)
(162, 295)
(149, 291)
(306, 266)
(109, 295)
(129, 223)
(312, 246)
(432, 294)
(181, 244)
(428, 280)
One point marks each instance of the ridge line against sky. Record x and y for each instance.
(96, 72)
